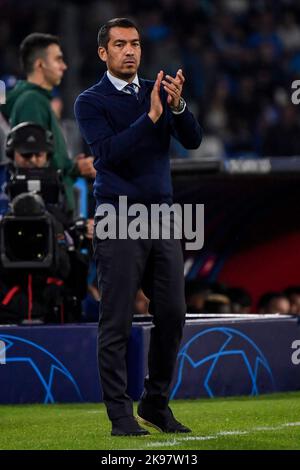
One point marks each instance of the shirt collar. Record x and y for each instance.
(121, 84)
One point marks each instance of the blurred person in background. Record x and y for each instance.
(30, 101)
(293, 294)
(274, 302)
(217, 303)
(196, 293)
(240, 299)
(283, 138)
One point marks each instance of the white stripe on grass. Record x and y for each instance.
(178, 440)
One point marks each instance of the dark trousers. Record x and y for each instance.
(123, 266)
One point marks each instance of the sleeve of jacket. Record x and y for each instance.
(105, 143)
(186, 129)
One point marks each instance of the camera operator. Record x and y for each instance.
(30, 148)
(48, 292)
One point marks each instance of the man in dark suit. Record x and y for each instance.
(128, 123)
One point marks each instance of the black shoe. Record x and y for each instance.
(161, 419)
(127, 426)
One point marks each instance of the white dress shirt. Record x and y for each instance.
(120, 85)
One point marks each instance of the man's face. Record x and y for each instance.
(53, 65)
(35, 160)
(123, 53)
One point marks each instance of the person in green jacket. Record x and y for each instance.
(43, 64)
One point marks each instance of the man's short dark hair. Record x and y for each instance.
(33, 47)
(103, 33)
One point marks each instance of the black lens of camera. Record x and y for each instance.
(26, 241)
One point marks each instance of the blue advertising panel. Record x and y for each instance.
(237, 358)
(217, 357)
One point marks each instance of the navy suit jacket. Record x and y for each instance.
(131, 152)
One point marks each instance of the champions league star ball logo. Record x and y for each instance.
(222, 361)
(42, 379)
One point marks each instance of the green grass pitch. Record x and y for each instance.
(264, 422)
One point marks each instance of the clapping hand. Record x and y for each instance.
(173, 86)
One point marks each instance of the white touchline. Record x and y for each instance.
(178, 440)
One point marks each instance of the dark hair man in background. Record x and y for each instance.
(128, 122)
(43, 64)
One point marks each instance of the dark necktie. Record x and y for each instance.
(131, 89)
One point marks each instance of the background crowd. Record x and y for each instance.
(240, 59)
